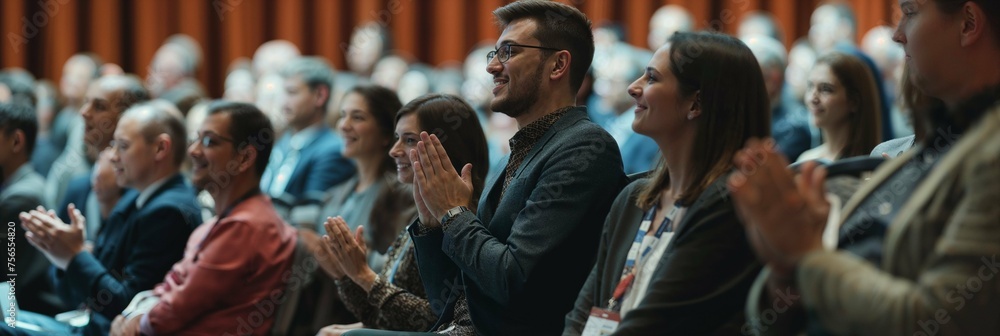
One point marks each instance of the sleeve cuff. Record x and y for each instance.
(452, 228)
(419, 230)
(83, 271)
(379, 293)
(145, 327)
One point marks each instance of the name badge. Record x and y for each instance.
(601, 322)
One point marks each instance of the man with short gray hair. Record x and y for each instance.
(307, 158)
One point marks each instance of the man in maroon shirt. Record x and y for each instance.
(230, 279)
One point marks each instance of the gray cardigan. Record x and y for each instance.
(700, 283)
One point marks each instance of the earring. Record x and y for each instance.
(690, 116)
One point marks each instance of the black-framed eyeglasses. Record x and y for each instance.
(207, 140)
(503, 52)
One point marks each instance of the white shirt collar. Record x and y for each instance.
(301, 138)
(148, 192)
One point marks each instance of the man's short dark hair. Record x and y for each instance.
(990, 7)
(560, 26)
(22, 117)
(248, 126)
(21, 88)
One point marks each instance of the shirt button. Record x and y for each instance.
(884, 209)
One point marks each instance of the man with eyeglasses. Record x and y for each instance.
(145, 233)
(525, 254)
(237, 265)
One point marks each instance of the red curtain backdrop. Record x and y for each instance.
(40, 35)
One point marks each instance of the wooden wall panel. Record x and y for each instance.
(128, 32)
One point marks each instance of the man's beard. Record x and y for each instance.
(521, 97)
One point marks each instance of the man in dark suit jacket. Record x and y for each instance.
(307, 158)
(526, 253)
(146, 232)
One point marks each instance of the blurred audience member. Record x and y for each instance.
(389, 70)
(915, 103)
(888, 57)
(171, 73)
(17, 87)
(307, 157)
(447, 79)
(789, 124)
(48, 107)
(106, 99)
(666, 21)
(844, 103)
(240, 85)
(370, 42)
(271, 56)
(612, 108)
(21, 190)
(759, 23)
(414, 83)
(832, 24)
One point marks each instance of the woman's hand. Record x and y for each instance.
(350, 251)
(324, 255)
(123, 326)
(338, 329)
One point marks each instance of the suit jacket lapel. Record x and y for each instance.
(488, 201)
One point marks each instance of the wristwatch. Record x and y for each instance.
(452, 213)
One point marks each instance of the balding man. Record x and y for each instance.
(104, 102)
(832, 24)
(665, 22)
(146, 232)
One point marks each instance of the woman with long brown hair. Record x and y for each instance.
(843, 99)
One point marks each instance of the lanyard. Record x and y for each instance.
(223, 215)
(401, 254)
(628, 272)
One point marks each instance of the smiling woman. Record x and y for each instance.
(395, 298)
(844, 103)
(692, 275)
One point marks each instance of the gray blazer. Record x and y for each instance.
(700, 283)
(525, 257)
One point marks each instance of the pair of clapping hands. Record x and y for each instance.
(58, 241)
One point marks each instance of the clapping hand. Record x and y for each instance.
(437, 186)
(350, 251)
(59, 241)
(784, 215)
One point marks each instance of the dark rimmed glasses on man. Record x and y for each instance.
(503, 52)
(208, 140)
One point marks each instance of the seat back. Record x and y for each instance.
(303, 270)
